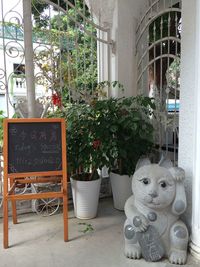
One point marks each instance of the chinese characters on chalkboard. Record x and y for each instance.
(34, 147)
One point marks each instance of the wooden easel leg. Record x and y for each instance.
(65, 216)
(14, 212)
(5, 223)
(14, 207)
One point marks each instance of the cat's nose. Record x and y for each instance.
(153, 194)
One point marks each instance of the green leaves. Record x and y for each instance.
(88, 228)
(69, 65)
(111, 132)
(134, 134)
(113, 128)
(86, 136)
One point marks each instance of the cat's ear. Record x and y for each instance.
(165, 162)
(142, 162)
(180, 203)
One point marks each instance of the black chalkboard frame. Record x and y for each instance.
(12, 180)
(29, 123)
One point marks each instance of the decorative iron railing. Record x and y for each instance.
(68, 51)
(158, 55)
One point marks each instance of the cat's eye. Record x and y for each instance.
(163, 184)
(145, 181)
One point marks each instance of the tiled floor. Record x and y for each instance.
(38, 242)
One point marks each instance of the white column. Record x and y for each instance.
(123, 61)
(189, 124)
(30, 80)
(123, 16)
(102, 12)
(195, 235)
(187, 143)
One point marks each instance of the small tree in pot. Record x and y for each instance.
(110, 132)
(132, 138)
(89, 148)
(89, 139)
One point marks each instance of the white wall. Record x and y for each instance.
(125, 18)
(187, 98)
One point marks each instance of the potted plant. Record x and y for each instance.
(89, 146)
(132, 138)
(108, 132)
(88, 149)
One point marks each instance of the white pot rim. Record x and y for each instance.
(88, 181)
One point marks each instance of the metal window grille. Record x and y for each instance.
(158, 63)
(69, 48)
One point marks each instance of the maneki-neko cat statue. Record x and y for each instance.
(153, 229)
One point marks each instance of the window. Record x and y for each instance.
(18, 68)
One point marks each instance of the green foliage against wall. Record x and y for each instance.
(38, 8)
(70, 62)
(110, 132)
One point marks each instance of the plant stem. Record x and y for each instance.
(90, 178)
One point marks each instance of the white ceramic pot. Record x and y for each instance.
(85, 197)
(121, 189)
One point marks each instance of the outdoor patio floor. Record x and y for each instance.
(38, 241)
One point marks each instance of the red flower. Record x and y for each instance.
(56, 99)
(96, 144)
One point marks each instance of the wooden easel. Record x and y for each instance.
(14, 179)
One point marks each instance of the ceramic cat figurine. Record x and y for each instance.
(153, 228)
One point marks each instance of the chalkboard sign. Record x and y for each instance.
(34, 147)
(34, 151)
